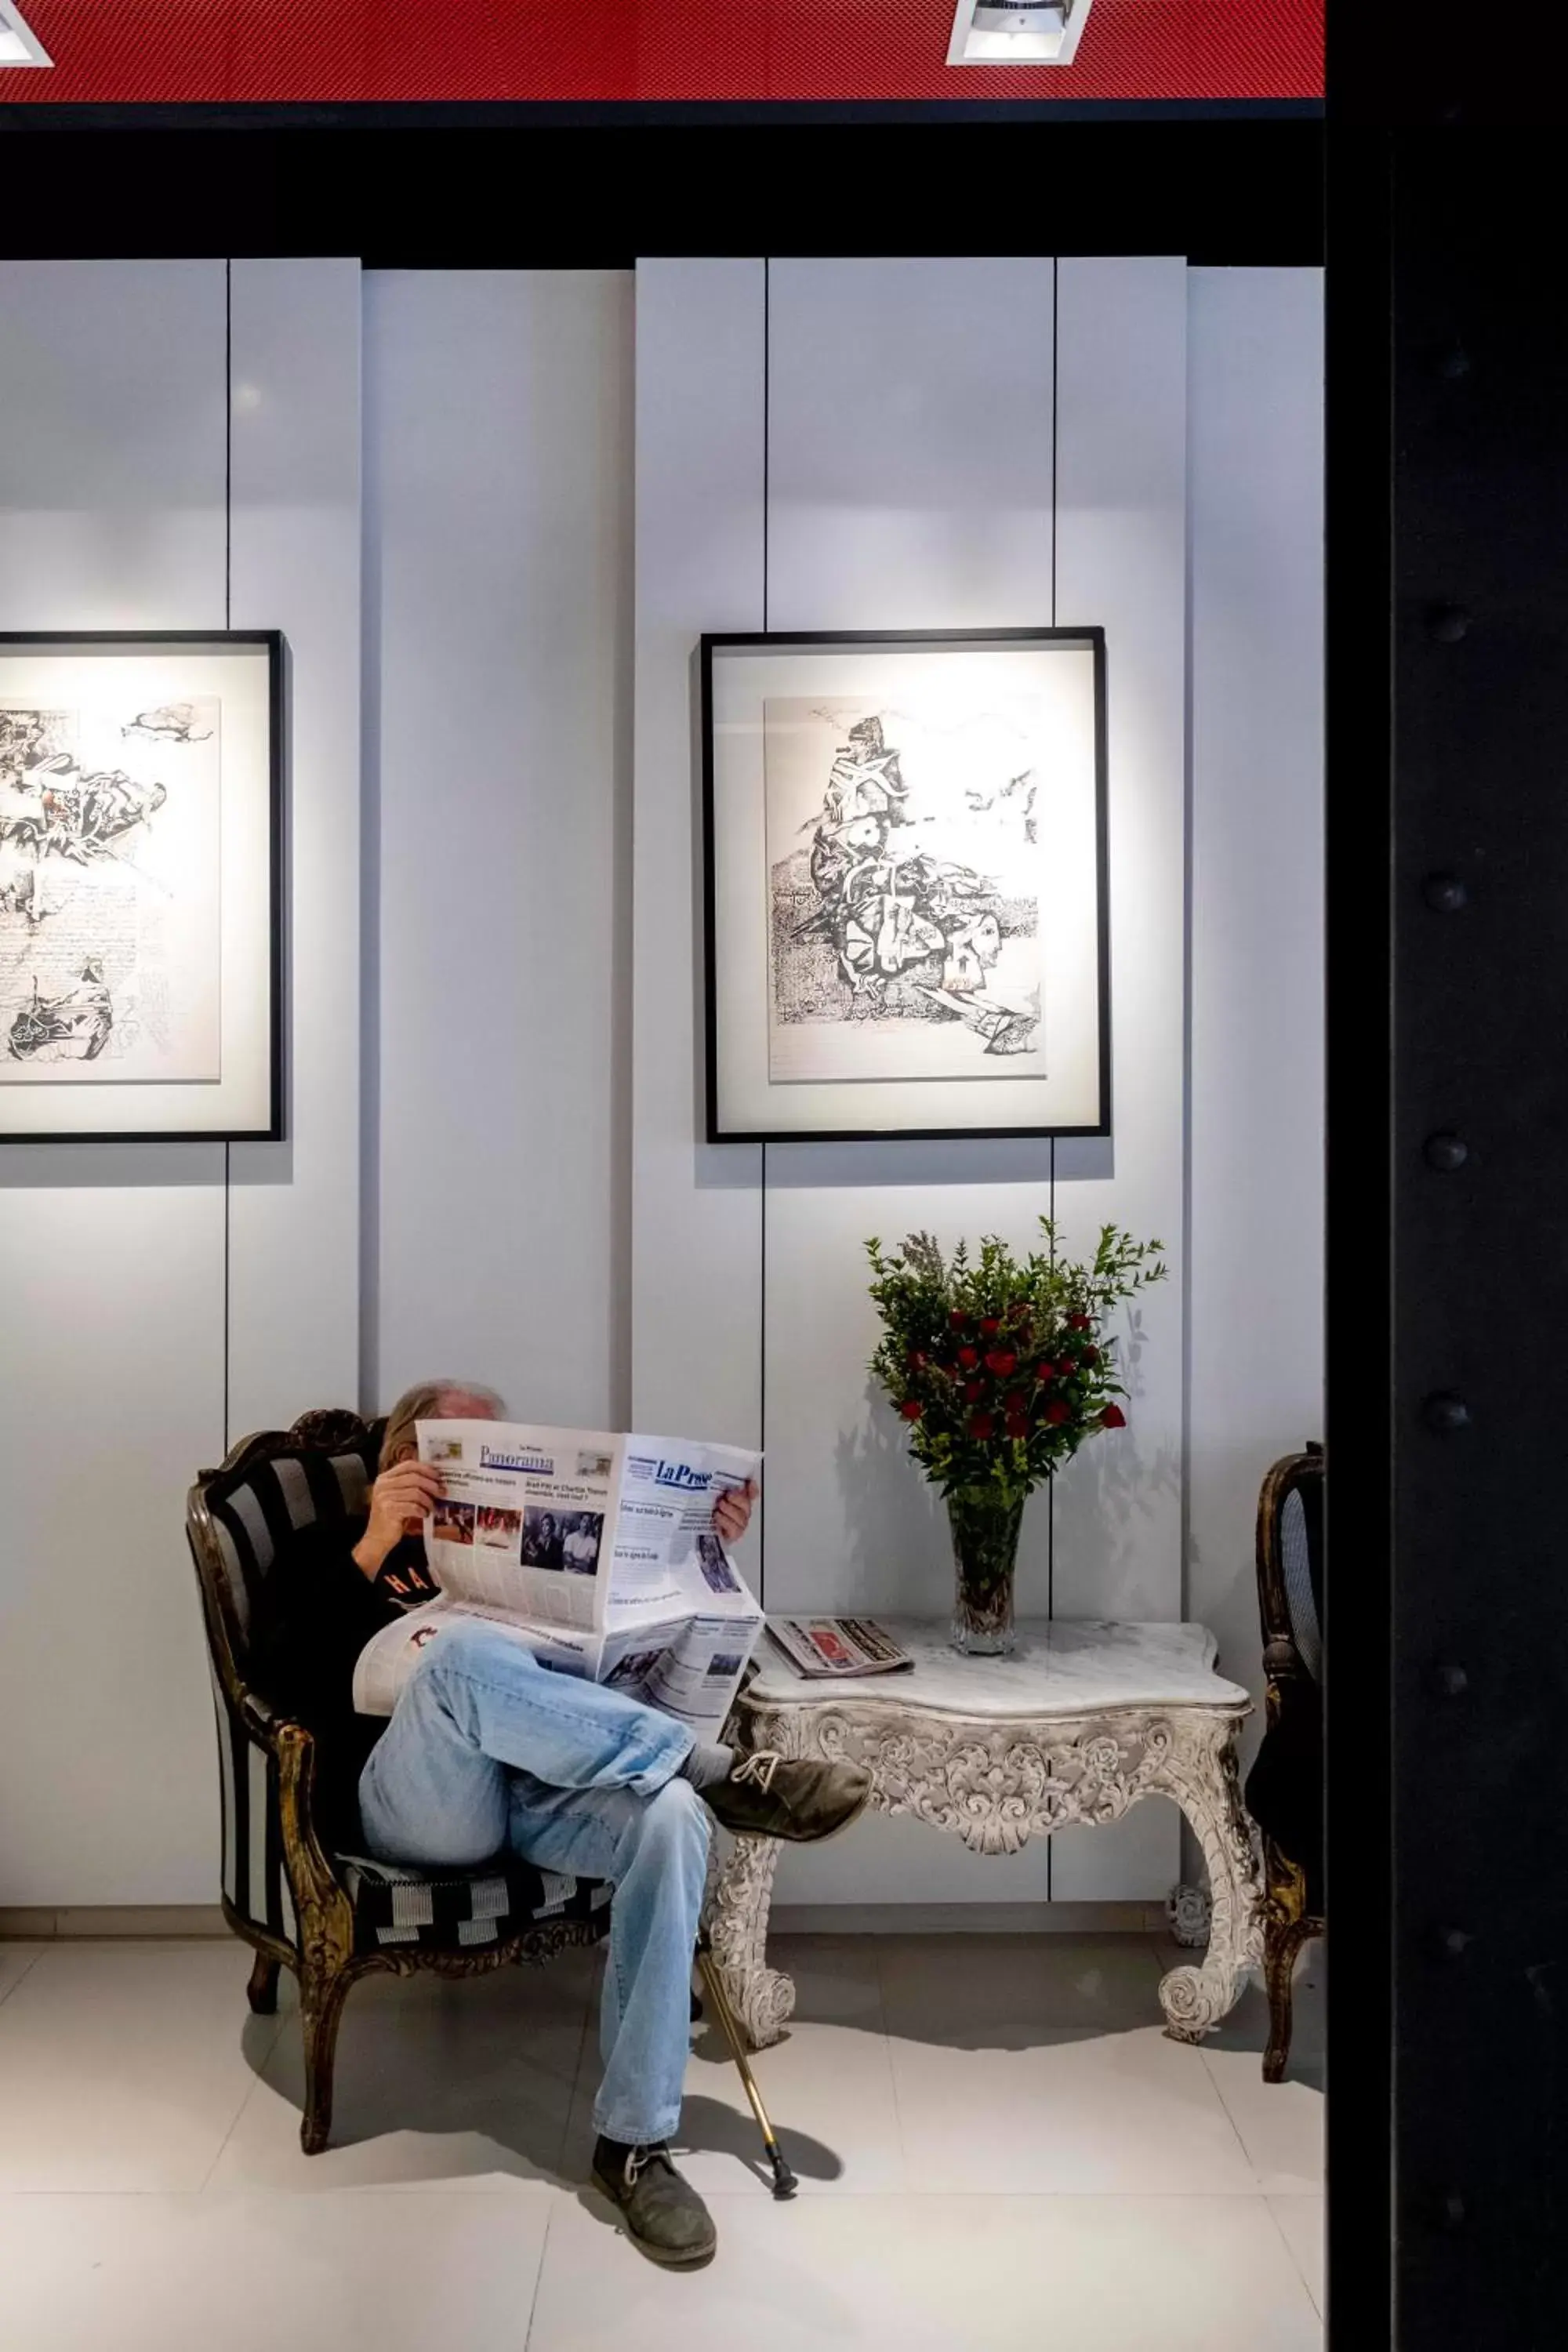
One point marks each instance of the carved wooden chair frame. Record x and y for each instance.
(1288, 1924)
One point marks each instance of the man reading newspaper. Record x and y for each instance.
(486, 1748)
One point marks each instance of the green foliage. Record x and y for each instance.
(1001, 1367)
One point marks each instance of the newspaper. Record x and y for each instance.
(597, 1553)
(835, 1647)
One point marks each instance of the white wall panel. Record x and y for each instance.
(111, 509)
(1257, 1166)
(112, 516)
(696, 1263)
(909, 486)
(1121, 561)
(499, 482)
(295, 566)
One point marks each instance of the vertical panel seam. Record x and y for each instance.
(1051, 1484)
(1189, 872)
(762, 1200)
(228, 624)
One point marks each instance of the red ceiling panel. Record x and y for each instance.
(254, 52)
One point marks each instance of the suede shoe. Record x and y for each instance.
(769, 1795)
(664, 2215)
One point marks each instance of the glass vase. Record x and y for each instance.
(985, 1554)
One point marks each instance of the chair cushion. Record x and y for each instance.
(397, 1903)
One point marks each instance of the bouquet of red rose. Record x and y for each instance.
(1003, 1367)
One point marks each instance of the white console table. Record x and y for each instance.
(1079, 1723)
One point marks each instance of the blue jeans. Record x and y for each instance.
(486, 1749)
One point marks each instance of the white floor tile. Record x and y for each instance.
(15, 1959)
(973, 2274)
(828, 2085)
(1280, 2124)
(1040, 2064)
(952, 1988)
(1301, 2220)
(124, 2066)
(465, 2083)
(1129, 2114)
(180, 2273)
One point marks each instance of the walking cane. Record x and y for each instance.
(784, 2182)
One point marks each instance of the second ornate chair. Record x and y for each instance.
(1285, 1787)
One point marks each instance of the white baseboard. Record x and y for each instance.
(44, 1923)
(967, 1918)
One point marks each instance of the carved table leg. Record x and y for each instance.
(740, 1893)
(1200, 1773)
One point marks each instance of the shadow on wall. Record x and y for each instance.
(897, 1552)
(895, 1527)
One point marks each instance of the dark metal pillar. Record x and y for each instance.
(1479, 1261)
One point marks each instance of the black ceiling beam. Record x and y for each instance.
(552, 196)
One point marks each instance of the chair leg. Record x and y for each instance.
(1283, 1940)
(262, 1991)
(322, 1997)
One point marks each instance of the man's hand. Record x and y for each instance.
(398, 1502)
(732, 1511)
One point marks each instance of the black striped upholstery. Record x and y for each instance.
(270, 1489)
(1301, 1560)
(256, 1510)
(397, 1904)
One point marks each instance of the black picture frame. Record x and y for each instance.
(272, 640)
(1091, 638)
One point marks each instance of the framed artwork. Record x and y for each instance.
(907, 926)
(140, 811)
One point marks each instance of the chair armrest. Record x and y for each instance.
(323, 1906)
(311, 1875)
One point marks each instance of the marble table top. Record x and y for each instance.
(1060, 1666)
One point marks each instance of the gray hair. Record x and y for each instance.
(425, 1400)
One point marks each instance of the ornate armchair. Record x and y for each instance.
(1285, 1787)
(331, 1918)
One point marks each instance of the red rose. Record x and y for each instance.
(991, 1325)
(959, 1320)
(969, 1358)
(1003, 1362)
(1044, 1371)
(915, 1360)
(1113, 1418)
(911, 1408)
(1091, 1355)
(1017, 1400)
(1016, 1425)
(1058, 1410)
(1079, 1323)
(980, 1425)
(974, 1390)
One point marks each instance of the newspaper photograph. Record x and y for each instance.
(597, 1553)
(527, 1519)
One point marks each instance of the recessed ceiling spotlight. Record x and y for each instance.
(1017, 32)
(19, 45)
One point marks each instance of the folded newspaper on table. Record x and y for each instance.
(598, 1553)
(832, 1648)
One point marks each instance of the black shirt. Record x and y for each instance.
(321, 1608)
